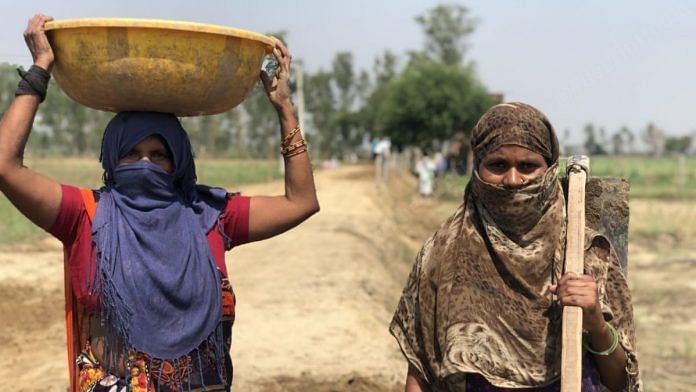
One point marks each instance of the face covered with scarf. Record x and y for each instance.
(152, 148)
(156, 276)
(515, 152)
(477, 300)
(128, 133)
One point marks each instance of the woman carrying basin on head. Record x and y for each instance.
(149, 303)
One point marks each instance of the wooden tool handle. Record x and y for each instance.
(571, 345)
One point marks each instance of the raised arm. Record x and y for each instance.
(272, 215)
(36, 196)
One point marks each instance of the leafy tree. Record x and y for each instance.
(344, 78)
(628, 138)
(654, 137)
(321, 105)
(214, 135)
(75, 129)
(678, 144)
(622, 141)
(39, 140)
(385, 67)
(429, 102)
(592, 143)
(602, 139)
(447, 28)
(617, 144)
(8, 85)
(331, 99)
(363, 88)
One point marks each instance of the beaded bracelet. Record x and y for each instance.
(612, 347)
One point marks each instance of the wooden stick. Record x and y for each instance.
(571, 344)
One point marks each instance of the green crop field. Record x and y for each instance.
(660, 188)
(87, 173)
(661, 178)
(668, 178)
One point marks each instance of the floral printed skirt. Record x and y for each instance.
(143, 374)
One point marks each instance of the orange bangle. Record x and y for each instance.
(293, 147)
(293, 153)
(289, 136)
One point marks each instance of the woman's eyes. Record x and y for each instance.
(527, 167)
(497, 167)
(154, 156)
(158, 156)
(501, 166)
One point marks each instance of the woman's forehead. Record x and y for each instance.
(513, 151)
(152, 141)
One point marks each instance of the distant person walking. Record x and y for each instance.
(382, 152)
(425, 170)
(149, 303)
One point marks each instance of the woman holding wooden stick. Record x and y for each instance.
(482, 307)
(149, 305)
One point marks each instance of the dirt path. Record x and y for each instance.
(32, 331)
(313, 304)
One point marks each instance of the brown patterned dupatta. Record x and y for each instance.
(477, 299)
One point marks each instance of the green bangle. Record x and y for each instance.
(612, 347)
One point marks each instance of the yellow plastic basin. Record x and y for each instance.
(155, 65)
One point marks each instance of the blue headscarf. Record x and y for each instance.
(156, 276)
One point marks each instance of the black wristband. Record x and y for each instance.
(34, 82)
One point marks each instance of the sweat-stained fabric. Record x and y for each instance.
(477, 299)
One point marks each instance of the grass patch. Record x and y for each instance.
(650, 178)
(667, 178)
(87, 173)
(230, 174)
(663, 191)
(663, 223)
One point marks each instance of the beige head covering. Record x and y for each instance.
(518, 124)
(477, 299)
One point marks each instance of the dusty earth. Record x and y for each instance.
(314, 304)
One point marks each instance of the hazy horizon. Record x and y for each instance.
(608, 63)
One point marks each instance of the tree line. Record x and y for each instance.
(420, 98)
(651, 140)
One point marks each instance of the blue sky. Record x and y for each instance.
(611, 63)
